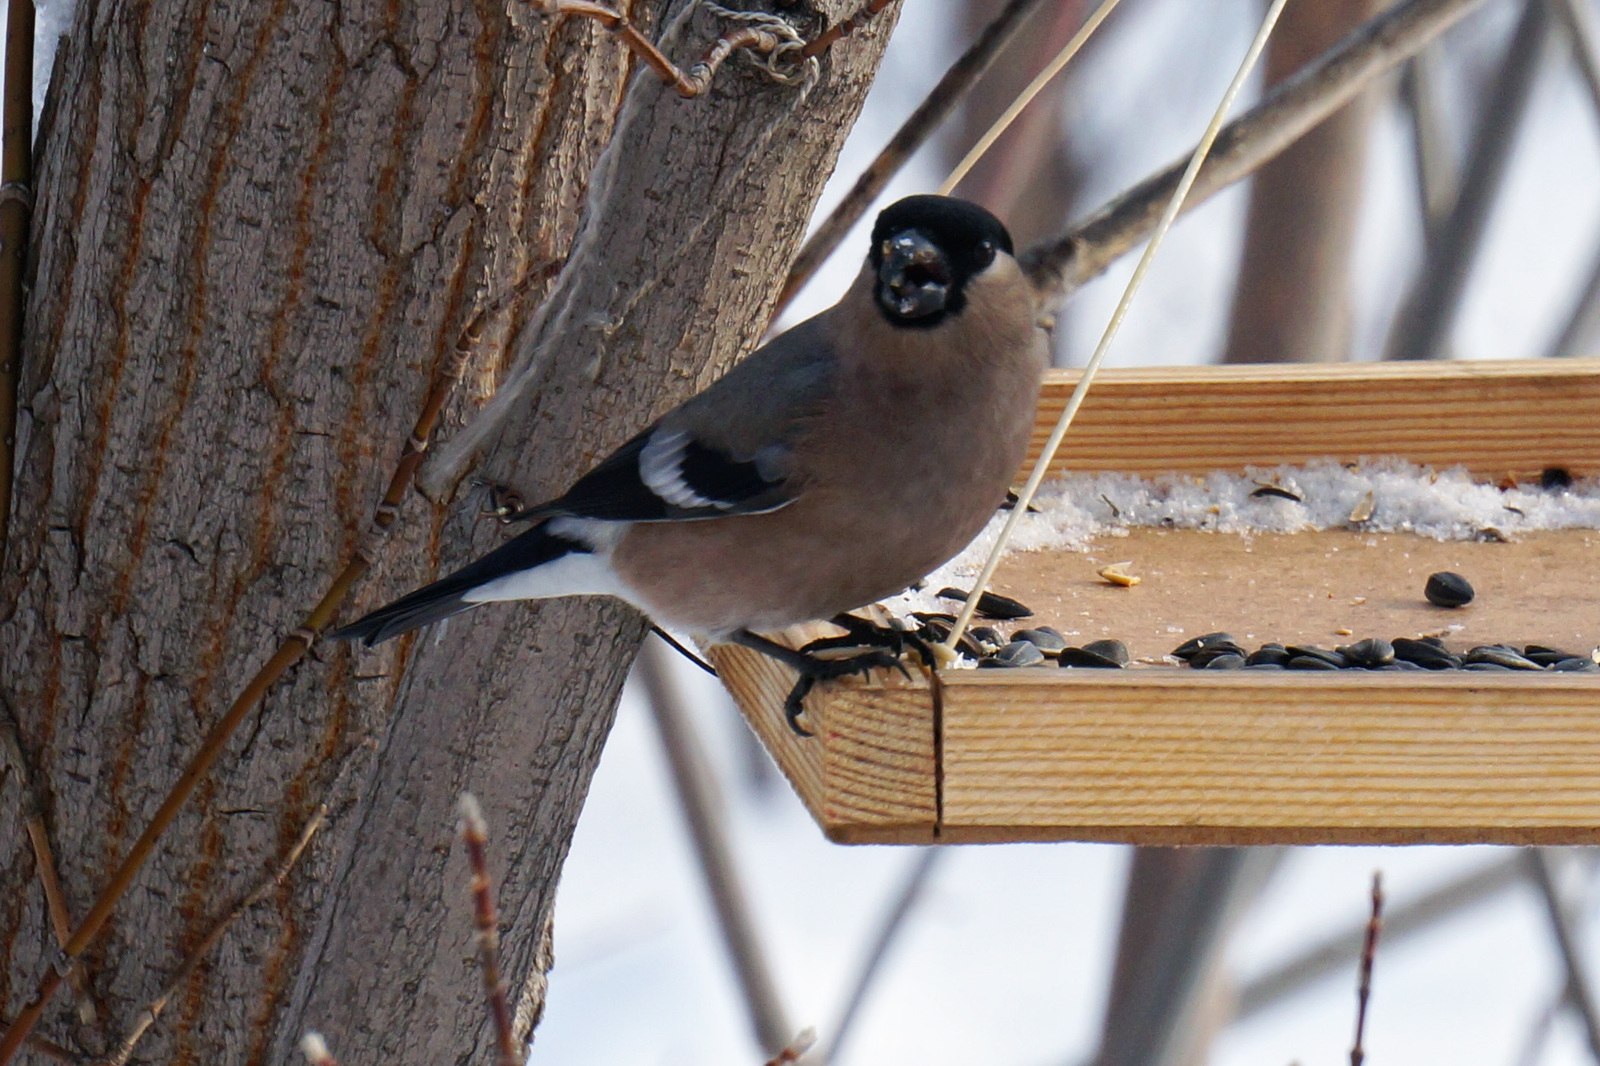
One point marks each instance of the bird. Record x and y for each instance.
(835, 466)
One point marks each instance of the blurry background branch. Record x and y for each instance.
(1059, 266)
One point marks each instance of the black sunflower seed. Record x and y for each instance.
(1446, 589)
(1371, 653)
(1083, 657)
(1114, 650)
(1187, 649)
(1042, 637)
(1332, 658)
(990, 604)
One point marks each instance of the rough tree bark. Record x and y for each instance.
(259, 230)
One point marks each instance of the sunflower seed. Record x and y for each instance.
(1500, 655)
(1043, 637)
(1017, 653)
(1187, 649)
(1083, 657)
(1308, 662)
(1371, 653)
(1446, 589)
(1332, 658)
(1114, 650)
(1424, 653)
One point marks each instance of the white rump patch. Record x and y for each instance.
(574, 574)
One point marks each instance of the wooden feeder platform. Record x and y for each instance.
(1158, 754)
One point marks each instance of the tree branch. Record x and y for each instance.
(912, 135)
(1060, 266)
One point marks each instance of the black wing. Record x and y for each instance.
(727, 451)
(665, 475)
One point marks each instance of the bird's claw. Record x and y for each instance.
(818, 669)
(504, 502)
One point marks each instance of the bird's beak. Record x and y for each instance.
(914, 276)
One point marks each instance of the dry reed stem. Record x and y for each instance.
(1369, 950)
(475, 838)
(912, 135)
(274, 877)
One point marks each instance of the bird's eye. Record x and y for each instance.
(985, 253)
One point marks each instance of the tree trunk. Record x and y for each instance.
(259, 231)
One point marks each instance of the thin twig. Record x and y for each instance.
(1369, 950)
(16, 207)
(703, 809)
(1060, 266)
(1331, 955)
(912, 135)
(32, 811)
(1563, 926)
(794, 1049)
(761, 33)
(53, 1051)
(828, 37)
(1424, 321)
(288, 653)
(475, 838)
(888, 932)
(271, 881)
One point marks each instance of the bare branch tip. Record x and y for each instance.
(471, 815)
(315, 1049)
(792, 1052)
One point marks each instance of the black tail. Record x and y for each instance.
(444, 597)
(430, 603)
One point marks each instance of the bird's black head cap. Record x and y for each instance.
(925, 249)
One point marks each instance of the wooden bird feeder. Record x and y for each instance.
(1168, 755)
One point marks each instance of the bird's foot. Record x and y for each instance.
(813, 664)
(863, 632)
(504, 502)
